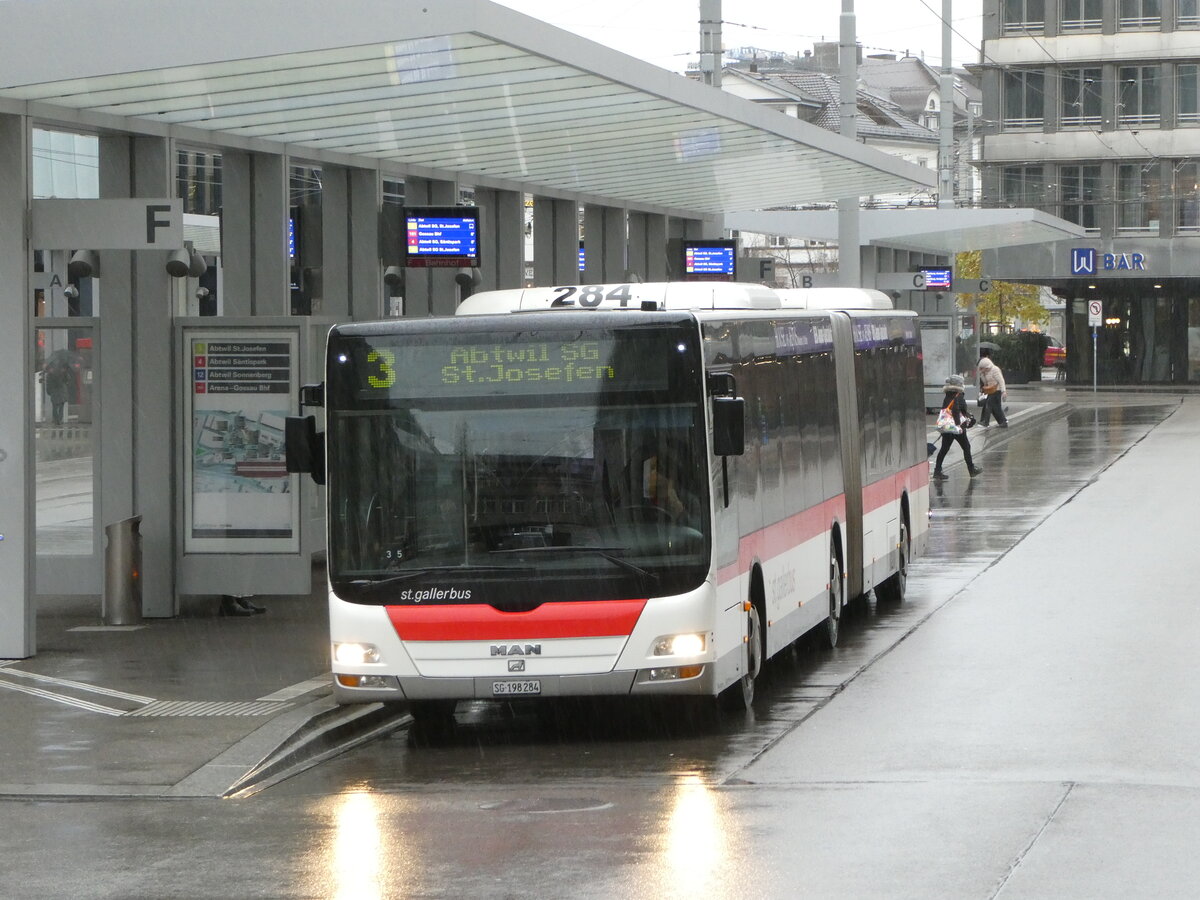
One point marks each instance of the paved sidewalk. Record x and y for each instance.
(197, 705)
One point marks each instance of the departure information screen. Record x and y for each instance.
(938, 279)
(710, 260)
(441, 237)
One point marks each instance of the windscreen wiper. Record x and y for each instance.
(605, 552)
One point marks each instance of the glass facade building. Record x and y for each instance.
(1092, 112)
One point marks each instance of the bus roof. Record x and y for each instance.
(675, 295)
(834, 298)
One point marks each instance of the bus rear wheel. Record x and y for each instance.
(892, 589)
(837, 589)
(739, 696)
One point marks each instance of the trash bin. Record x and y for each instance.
(122, 602)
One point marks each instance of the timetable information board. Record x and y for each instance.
(240, 496)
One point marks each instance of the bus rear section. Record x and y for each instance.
(883, 448)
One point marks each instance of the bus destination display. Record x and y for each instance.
(442, 237)
(509, 367)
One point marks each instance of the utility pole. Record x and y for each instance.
(849, 262)
(946, 118)
(711, 52)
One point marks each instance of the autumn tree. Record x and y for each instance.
(1006, 302)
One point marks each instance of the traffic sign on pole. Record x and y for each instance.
(1095, 313)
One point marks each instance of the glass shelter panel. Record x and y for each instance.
(65, 390)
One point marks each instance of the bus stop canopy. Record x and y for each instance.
(463, 89)
(922, 230)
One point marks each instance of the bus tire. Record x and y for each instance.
(893, 588)
(837, 593)
(739, 696)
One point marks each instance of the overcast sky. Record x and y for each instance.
(666, 32)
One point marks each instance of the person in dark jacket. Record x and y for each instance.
(955, 401)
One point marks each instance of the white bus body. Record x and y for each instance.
(493, 477)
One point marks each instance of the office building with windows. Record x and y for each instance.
(1092, 110)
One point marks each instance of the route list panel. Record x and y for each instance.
(241, 495)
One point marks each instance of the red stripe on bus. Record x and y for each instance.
(769, 542)
(479, 622)
(890, 488)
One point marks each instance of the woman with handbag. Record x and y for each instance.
(993, 391)
(953, 422)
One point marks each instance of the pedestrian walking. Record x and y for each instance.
(993, 391)
(58, 376)
(954, 402)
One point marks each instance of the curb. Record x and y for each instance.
(332, 730)
(287, 745)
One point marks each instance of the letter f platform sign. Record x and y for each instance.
(1083, 261)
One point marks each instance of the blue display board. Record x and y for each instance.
(938, 279)
(710, 260)
(441, 236)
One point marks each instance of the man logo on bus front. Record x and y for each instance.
(516, 649)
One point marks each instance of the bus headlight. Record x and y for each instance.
(355, 654)
(679, 645)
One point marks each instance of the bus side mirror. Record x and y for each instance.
(302, 447)
(729, 426)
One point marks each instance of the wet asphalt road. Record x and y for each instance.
(1022, 726)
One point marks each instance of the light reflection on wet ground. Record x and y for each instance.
(1028, 474)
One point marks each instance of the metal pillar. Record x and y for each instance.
(138, 381)
(604, 237)
(335, 244)
(614, 253)
(254, 188)
(555, 242)
(656, 247)
(18, 608)
(351, 273)
(502, 241)
(365, 265)
(636, 256)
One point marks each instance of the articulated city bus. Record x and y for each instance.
(637, 489)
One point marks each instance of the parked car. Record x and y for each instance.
(1055, 354)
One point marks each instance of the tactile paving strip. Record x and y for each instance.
(209, 708)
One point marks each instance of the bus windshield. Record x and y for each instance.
(512, 467)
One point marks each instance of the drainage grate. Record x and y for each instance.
(164, 708)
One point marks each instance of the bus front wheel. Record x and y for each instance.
(739, 696)
(892, 589)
